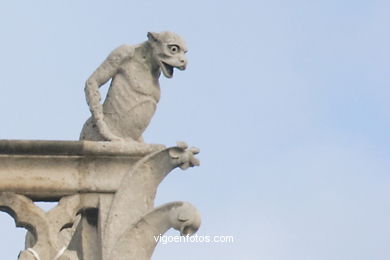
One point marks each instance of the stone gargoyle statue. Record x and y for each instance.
(134, 91)
(106, 184)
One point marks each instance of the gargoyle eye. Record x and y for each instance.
(174, 49)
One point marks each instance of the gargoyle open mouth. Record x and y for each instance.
(188, 230)
(167, 69)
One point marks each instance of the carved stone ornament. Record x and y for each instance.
(105, 183)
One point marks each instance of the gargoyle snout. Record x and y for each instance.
(186, 219)
(183, 63)
(189, 229)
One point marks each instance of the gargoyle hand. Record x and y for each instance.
(105, 131)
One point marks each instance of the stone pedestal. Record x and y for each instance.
(105, 191)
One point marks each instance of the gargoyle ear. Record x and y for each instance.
(153, 36)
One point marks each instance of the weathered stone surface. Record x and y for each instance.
(138, 189)
(139, 240)
(106, 183)
(44, 227)
(100, 182)
(60, 168)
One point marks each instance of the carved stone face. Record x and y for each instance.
(186, 219)
(169, 50)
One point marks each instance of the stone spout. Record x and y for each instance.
(139, 241)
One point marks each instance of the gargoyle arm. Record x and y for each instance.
(102, 74)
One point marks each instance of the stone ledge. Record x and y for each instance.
(47, 170)
(51, 147)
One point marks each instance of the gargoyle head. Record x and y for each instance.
(185, 219)
(169, 50)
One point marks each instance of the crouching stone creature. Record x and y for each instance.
(134, 92)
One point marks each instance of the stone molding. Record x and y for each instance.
(113, 182)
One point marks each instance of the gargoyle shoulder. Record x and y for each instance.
(121, 54)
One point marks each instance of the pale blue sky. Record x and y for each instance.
(287, 100)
